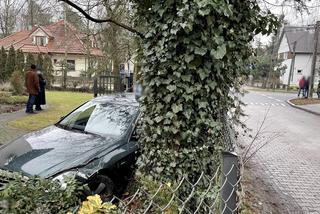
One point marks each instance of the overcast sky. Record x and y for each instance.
(293, 16)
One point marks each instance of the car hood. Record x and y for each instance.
(52, 150)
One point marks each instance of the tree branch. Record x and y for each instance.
(102, 20)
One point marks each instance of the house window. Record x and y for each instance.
(41, 40)
(299, 71)
(71, 65)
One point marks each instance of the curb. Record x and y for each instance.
(303, 109)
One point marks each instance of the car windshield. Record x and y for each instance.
(101, 119)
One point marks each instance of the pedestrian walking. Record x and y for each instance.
(41, 97)
(302, 82)
(33, 88)
(306, 87)
(318, 89)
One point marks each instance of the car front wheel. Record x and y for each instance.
(103, 186)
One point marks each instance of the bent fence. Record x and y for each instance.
(221, 194)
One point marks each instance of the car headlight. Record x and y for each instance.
(61, 178)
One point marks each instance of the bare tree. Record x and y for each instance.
(7, 17)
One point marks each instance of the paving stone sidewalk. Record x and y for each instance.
(8, 133)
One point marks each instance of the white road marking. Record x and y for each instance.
(262, 104)
(283, 104)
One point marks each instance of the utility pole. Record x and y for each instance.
(292, 64)
(314, 59)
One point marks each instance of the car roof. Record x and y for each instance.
(121, 99)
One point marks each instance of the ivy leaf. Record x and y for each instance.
(174, 31)
(158, 119)
(220, 52)
(186, 78)
(204, 12)
(202, 74)
(169, 115)
(203, 104)
(187, 113)
(171, 88)
(200, 51)
(177, 108)
(188, 58)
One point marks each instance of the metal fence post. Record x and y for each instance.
(95, 87)
(229, 183)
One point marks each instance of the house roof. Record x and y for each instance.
(58, 40)
(303, 37)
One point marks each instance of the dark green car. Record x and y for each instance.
(96, 143)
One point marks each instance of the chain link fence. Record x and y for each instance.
(220, 194)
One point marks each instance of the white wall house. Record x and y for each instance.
(303, 38)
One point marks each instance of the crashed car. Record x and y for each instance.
(96, 143)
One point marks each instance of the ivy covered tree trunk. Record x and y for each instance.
(194, 53)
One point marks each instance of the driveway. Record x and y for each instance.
(8, 133)
(291, 161)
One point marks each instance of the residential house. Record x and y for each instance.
(303, 40)
(60, 40)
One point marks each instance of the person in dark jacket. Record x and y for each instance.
(33, 88)
(41, 97)
(306, 87)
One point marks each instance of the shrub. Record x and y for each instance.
(16, 81)
(38, 195)
(13, 100)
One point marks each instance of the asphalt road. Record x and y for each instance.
(291, 161)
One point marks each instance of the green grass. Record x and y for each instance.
(59, 104)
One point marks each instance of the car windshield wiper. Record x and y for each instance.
(83, 131)
(66, 127)
(62, 126)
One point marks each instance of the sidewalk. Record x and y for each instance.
(8, 133)
(311, 108)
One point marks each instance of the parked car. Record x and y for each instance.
(95, 143)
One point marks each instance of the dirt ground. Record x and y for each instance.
(262, 197)
(303, 101)
(4, 108)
